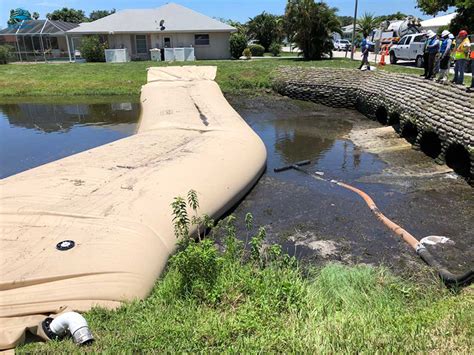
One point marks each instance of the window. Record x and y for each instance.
(167, 42)
(419, 39)
(402, 41)
(140, 41)
(201, 40)
(409, 40)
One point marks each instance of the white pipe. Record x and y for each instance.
(76, 324)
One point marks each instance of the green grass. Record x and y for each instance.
(127, 78)
(341, 309)
(259, 301)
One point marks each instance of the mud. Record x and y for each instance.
(320, 222)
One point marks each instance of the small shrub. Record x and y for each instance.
(238, 43)
(92, 49)
(247, 53)
(6, 53)
(275, 49)
(257, 50)
(198, 266)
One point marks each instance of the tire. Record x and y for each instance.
(419, 62)
(393, 58)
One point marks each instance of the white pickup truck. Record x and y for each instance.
(410, 47)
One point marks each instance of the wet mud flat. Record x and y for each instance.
(320, 222)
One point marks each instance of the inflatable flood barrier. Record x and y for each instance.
(113, 201)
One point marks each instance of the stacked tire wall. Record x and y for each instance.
(436, 118)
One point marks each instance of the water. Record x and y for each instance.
(32, 134)
(321, 222)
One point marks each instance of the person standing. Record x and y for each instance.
(471, 56)
(425, 54)
(364, 47)
(445, 56)
(461, 51)
(433, 50)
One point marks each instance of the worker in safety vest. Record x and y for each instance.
(433, 49)
(364, 47)
(444, 54)
(471, 56)
(461, 51)
(429, 35)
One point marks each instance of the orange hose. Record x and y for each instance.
(406, 236)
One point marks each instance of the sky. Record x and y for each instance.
(239, 10)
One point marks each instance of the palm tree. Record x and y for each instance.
(311, 25)
(367, 23)
(266, 29)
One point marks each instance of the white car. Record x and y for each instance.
(342, 45)
(410, 47)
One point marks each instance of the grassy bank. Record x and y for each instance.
(126, 79)
(257, 300)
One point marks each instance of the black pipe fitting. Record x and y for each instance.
(449, 279)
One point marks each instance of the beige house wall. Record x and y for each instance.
(218, 47)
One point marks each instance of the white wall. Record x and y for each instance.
(218, 47)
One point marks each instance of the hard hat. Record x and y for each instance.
(462, 33)
(430, 34)
(451, 36)
(445, 33)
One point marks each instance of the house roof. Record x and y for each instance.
(176, 18)
(34, 27)
(438, 21)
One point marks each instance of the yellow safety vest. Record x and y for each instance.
(462, 50)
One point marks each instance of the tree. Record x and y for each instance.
(18, 15)
(464, 9)
(67, 15)
(396, 16)
(312, 25)
(367, 23)
(241, 27)
(346, 20)
(97, 14)
(266, 29)
(35, 15)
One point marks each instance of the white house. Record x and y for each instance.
(168, 26)
(437, 22)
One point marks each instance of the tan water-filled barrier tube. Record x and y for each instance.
(114, 203)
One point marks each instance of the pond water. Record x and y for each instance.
(32, 134)
(320, 222)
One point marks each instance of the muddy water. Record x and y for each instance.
(321, 222)
(35, 133)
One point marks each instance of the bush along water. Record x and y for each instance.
(209, 275)
(240, 294)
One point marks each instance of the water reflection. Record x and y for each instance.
(319, 137)
(61, 118)
(33, 134)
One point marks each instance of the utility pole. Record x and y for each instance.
(354, 29)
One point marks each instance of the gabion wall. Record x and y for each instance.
(438, 118)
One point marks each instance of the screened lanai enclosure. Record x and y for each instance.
(39, 40)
